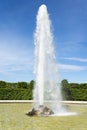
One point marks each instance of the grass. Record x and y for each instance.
(12, 117)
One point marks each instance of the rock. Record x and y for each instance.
(40, 111)
(31, 113)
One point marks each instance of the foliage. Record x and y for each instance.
(74, 91)
(22, 85)
(24, 90)
(15, 94)
(32, 82)
(2, 84)
(16, 91)
(65, 89)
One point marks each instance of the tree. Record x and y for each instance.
(2, 84)
(64, 83)
(66, 89)
(31, 85)
(22, 85)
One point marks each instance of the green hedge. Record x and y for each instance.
(74, 91)
(23, 91)
(15, 94)
(79, 94)
(16, 91)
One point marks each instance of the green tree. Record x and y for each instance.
(66, 89)
(2, 84)
(32, 82)
(21, 85)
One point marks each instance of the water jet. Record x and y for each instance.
(47, 91)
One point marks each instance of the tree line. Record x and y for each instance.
(74, 91)
(16, 91)
(24, 90)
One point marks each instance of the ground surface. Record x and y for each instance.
(12, 117)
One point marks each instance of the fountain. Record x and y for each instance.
(47, 91)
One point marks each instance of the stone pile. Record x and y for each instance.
(40, 111)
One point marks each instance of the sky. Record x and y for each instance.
(17, 26)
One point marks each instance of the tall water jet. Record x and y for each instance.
(46, 69)
(47, 91)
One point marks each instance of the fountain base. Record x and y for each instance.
(40, 111)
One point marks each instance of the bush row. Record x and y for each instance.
(15, 94)
(24, 91)
(74, 91)
(16, 91)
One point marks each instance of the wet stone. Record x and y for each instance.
(40, 111)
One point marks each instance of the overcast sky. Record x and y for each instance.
(17, 26)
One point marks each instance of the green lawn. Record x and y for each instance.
(12, 117)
